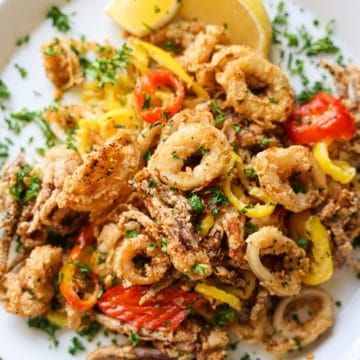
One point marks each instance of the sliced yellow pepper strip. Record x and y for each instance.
(321, 266)
(340, 171)
(246, 292)
(166, 60)
(251, 211)
(220, 295)
(206, 224)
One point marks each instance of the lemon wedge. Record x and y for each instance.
(246, 21)
(140, 17)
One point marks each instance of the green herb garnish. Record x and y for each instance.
(59, 20)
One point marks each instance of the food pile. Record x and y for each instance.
(191, 202)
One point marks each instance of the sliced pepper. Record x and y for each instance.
(247, 291)
(340, 171)
(321, 265)
(220, 295)
(167, 61)
(80, 254)
(206, 224)
(147, 86)
(235, 194)
(112, 120)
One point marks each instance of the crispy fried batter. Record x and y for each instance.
(29, 292)
(103, 178)
(279, 168)
(61, 64)
(46, 215)
(173, 213)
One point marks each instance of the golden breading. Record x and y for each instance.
(29, 292)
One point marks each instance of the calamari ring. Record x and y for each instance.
(298, 326)
(276, 169)
(229, 53)
(146, 274)
(169, 158)
(274, 104)
(187, 116)
(270, 241)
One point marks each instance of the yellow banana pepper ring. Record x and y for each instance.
(220, 295)
(340, 171)
(206, 224)
(321, 266)
(234, 197)
(166, 60)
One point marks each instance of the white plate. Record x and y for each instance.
(18, 18)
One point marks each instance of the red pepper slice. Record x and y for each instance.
(164, 312)
(324, 118)
(79, 255)
(146, 87)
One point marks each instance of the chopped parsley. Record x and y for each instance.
(91, 330)
(298, 341)
(4, 153)
(196, 203)
(4, 91)
(24, 191)
(134, 338)
(236, 127)
(281, 17)
(85, 270)
(296, 185)
(338, 303)
(198, 269)
(59, 20)
(147, 102)
(219, 116)
(130, 234)
(101, 256)
(250, 173)
(293, 39)
(157, 9)
(164, 244)
(104, 70)
(70, 141)
(217, 196)
(23, 40)
(250, 227)
(152, 183)
(202, 151)
(76, 346)
(22, 71)
(303, 243)
(45, 325)
(324, 45)
(246, 356)
(170, 45)
(264, 142)
(147, 156)
(232, 346)
(25, 116)
(307, 94)
(224, 314)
